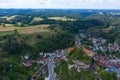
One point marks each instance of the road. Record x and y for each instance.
(77, 41)
(51, 69)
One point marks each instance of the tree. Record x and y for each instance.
(3, 24)
(104, 75)
(62, 70)
(113, 76)
(108, 76)
(39, 36)
(107, 25)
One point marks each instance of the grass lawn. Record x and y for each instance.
(3, 41)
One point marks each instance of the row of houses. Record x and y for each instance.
(101, 44)
(100, 59)
(98, 41)
(110, 65)
(78, 65)
(113, 66)
(113, 47)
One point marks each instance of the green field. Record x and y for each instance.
(32, 38)
(24, 30)
(37, 19)
(9, 18)
(61, 18)
(30, 32)
(4, 33)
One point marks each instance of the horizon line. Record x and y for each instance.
(67, 8)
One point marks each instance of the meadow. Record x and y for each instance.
(24, 30)
(61, 18)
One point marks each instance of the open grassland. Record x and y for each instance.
(33, 29)
(31, 32)
(37, 19)
(8, 25)
(4, 33)
(25, 30)
(32, 38)
(9, 18)
(61, 18)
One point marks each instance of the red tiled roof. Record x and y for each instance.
(71, 49)
(28, 64)
(86, 51)
(42, 59)
(57, 59)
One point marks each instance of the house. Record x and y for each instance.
(113, 47)
(56, 60)
(58, 55)
(27, 63)
(102, 41)
(62, 51)
(70, 49)
(47, 78)
(35, 77)
(98, 41)
(45, 69)
(113, 65)
(88, 52)
(42, 60)
(41, 53)
(100, 59)
(48, 54)
(82, 35)
(70, 66)
(27, 56)
(103, 48)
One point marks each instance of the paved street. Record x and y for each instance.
(51, 69)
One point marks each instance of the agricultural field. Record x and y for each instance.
(9, 18)
(37, 19)
(25, 30)
(6, 33)
(30, 32)
(61, 18)
(8, 25)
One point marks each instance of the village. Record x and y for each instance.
(95, 51)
